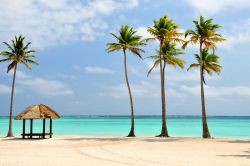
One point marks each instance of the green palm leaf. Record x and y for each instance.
(127, 39)
(18, 53)
(204, 33)
(210, 62)
(169, 53)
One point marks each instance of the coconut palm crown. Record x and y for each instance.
(210, 63)
(204, 33)
(169, 52)
(18, 53)
(127, 39)
(165, 29)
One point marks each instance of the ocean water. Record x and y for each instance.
(220, 126)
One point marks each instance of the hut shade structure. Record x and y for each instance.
(37, 112)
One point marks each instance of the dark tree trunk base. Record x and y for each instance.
(206, 136)
(10, 134)
(163, 135)
(164, 132)
(131, 134)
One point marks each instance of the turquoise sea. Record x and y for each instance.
(220, 126)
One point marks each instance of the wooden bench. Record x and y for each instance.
(39, 135)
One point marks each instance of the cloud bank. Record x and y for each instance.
(214, 6)
(51, 23)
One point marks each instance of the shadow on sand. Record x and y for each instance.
(247, 152)
(237, 141)
(21, 139)
(247, 156)
(151, 139)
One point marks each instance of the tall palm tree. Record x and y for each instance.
(18, 54)
(205, 35)
(164, 29)
(127, 39)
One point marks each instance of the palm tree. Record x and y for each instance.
(18, 54)
(205, 35)
(127, 40)
(164, 30)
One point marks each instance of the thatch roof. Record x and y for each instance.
(38, 112)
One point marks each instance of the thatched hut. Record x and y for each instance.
(37, 112)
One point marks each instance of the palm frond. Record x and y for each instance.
(26, 64)
(194, 65)
(11, 66)
(156, 63)
(113, 47)
(5, 60)
(152, 57)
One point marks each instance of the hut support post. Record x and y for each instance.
(50, 130)
(44, 123)
(23, 128)
(31, 128)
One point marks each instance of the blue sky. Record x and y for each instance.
(77, 77)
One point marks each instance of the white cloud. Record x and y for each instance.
(4, 89)
(19, 74)
(46, 87)
(143, 89)
(132, 3)
(39, 86)
(204, 6)
(237, 35)
(50, 23)
(212, 91)
(142, 31)
(93, 69)
(97, 70)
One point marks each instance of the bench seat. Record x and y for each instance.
(39, 135)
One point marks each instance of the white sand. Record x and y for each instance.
(88, 151)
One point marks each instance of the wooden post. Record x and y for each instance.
(31, 128)
(44, 124)
(23, 128)
(50, 130)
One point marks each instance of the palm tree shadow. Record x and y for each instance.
(96, 139)
(246, 155)
(238, 141)
(119, 139)
(21, 139)
(162, 139)
(242, 156)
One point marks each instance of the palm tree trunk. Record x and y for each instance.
(164, 131)
(205, 130)
(10, 133)
(132, 130)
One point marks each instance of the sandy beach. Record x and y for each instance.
(109, 151)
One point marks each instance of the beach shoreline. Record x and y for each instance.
(106, 150)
